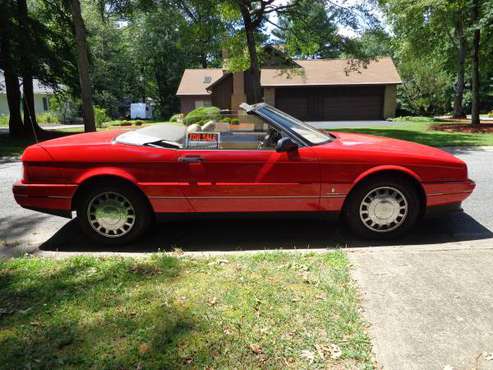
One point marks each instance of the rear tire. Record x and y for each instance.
(113, 214)
(382, 208)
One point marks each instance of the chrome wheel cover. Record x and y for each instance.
(111, 214)
(383, 209)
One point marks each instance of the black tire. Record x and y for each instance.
(140, 209)
(355, 221)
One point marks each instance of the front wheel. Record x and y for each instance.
(382, 208)
(113, 214)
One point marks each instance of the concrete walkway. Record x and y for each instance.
(429, 308)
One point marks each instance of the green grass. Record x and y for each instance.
(272, 310)
(418, 129)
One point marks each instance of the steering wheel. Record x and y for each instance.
(270, 140)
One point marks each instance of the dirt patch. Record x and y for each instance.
(483, 128)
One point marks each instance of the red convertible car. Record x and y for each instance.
(262, 161)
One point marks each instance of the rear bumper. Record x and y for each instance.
(440, 194)
(48, 198)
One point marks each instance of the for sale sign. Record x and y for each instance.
(203, 140)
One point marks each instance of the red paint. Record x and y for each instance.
(314, 178)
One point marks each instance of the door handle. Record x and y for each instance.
(190, 159)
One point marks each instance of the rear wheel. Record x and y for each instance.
(113, 214)
(382, 208)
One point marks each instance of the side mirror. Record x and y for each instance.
(285, 144)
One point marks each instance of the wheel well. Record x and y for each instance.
(393, 174)
(105, 180)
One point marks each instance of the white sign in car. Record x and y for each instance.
(203, 140)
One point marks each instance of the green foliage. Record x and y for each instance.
(48, 117)
(426, 88)
(178, 117)
(235, 121)
(4, 120)
(202, 115)
(100, 116)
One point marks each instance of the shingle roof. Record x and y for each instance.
(333, 72)
(321, 72)
(195, 81)
(38, 87)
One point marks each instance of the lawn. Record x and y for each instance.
(419, 129)
(272, 310)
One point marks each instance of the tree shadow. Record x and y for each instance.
(223, 233)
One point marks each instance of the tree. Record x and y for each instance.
(475, 17)
(8, 64)
(83, 63)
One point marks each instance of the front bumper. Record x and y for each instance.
(451, 192)
(48, 198)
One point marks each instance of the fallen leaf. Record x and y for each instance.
(308, 355)
(227, 331)
(144, 348)
(212, 301)
(256, 348)
(188, 360)
(321, 296)
(488, 356)
(222, 262)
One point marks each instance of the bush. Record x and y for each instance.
(47, 117)
(490, 114)
(4, 120)
(235, 121)
(100, 116)
(178, 117)
(202, 115)
(226, 119)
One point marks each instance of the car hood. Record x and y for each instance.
(393, 147)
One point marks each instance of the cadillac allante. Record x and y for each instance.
(263, 160)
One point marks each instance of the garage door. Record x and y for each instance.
(332, 103)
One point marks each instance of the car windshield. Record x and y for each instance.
(302, 129)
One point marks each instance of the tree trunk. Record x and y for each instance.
(461, 60)
(16, 127)
(475, 65)
(83, 63)
(254, 89)
(30, 124)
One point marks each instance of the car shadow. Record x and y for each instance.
(280, 232)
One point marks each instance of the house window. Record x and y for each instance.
(45, 103)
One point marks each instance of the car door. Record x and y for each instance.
(251, 180)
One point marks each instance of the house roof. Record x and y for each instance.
(333, 72)
(320, 72)
(196, 81)
(38, 86)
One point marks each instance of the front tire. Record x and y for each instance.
(382, 208)
(113, 214)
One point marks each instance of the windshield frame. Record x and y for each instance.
(265, 111)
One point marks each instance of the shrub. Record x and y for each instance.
(226, 119)
(490, 114)
(47, 117)
(4, 120)
(178, 117)
(100, 116)
(235, 121)
(202, 115)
